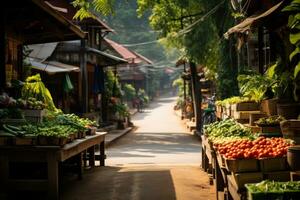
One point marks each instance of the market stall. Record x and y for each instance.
(234, 155)
(37, 139)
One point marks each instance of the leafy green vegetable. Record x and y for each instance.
(273, 186)
(227, 129)
(270, 121)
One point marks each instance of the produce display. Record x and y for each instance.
(232, 100)
(30, 103)
(258, 148)
(56, 125)
(273, 186)
(35, 88)
(270, 121)
(227, 130)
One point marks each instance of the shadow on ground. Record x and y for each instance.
(114, 183)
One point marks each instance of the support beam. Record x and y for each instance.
(84, 78)
(261, 50)
(197, 97)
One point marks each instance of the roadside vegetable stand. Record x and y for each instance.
(53, 156)
(234, 156)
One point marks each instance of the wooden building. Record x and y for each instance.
(260, 31)
(134, 72)
(29, 22)
(88, 79)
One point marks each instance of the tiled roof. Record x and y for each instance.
(130, 56)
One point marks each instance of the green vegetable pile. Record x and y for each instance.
(30, 103)
(272, 186)
(227, 129)
(270, 121)
(232, 100)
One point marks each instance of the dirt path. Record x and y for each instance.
(160, 160)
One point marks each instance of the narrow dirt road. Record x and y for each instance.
(160, 160)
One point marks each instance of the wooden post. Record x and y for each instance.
(197, 97)
(184, 82)
(104, 101)
(53, 190)
(84, 78)
(2, 49)
(102, 153)
(261, 50)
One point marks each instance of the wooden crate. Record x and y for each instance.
(34, 115)
(243, 114)
(26, 140)
(270, 129)
(219, 108)
(245, 106)
(235, 193)
(254, 117)
(228, 110)
(273, 164)
(277, 176)
(219, 115)
(269, 107)
(295, 176)
(220, 159)
(242, 165)
(240, 179)
(291, 130)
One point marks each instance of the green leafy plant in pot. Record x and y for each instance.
(286, 70)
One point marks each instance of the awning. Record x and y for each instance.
(42, 51)
(251, 21)
(104, 59)
(107, 59)
(52, 67)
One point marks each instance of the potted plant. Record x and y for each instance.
(259, 88)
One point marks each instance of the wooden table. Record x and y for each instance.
(53, 156)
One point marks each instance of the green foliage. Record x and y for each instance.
(143, 96)
(178, 83)
(133, 30)
(294, 24)
(112, 85)
(104, 7)
(129, 91)
(283, 81)
(255, 86)
(232, 100)
(35, 88)
(121, 109)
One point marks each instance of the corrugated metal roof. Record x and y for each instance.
(42, 51)
(52, 67)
